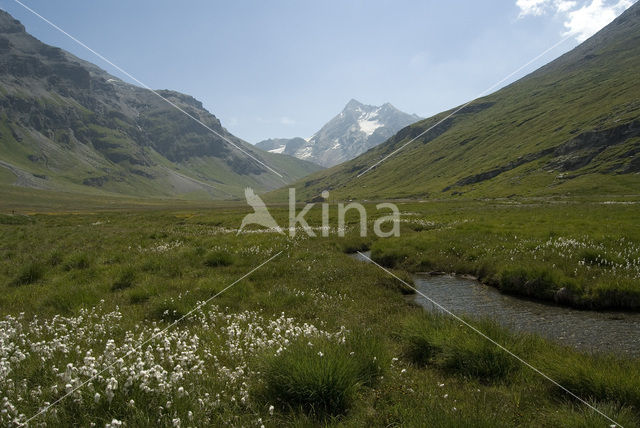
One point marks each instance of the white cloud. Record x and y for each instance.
(564, 6)
(581, 19)
(287, 121)
(532, 7)
(585, 22)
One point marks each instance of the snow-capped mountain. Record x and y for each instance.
(355, 130)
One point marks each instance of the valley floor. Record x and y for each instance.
(311, 337)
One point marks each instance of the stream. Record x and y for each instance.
(593, 331)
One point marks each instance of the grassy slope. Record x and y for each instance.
(444, 377)
(66, 169)
(593, 87)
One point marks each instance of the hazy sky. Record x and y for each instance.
(284, 68)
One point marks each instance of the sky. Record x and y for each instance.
(283, 68)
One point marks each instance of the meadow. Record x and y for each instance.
(115, 294)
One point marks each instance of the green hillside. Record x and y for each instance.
(67, 125)
(572, 127)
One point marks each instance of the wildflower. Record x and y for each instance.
(271, 409)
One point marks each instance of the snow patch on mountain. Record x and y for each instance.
(305, 153)
(278, 150)
(369, 126)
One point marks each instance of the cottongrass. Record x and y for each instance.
(163, 247)
(141, 373)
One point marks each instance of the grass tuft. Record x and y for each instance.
(322, 380)
(137, 297)
(391, 283)
(78, 261)
(55, 258)
(28, 274)
(353, 244)
(599, 378)
(218, 258)
(126, 279)
(168, 311)
(432, 339)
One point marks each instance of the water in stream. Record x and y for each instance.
(617, 332)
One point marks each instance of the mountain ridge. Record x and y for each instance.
(66, 124)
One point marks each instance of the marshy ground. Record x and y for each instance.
(312, 337)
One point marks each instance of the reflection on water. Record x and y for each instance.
(617, 332)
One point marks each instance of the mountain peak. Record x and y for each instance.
(353, 103)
